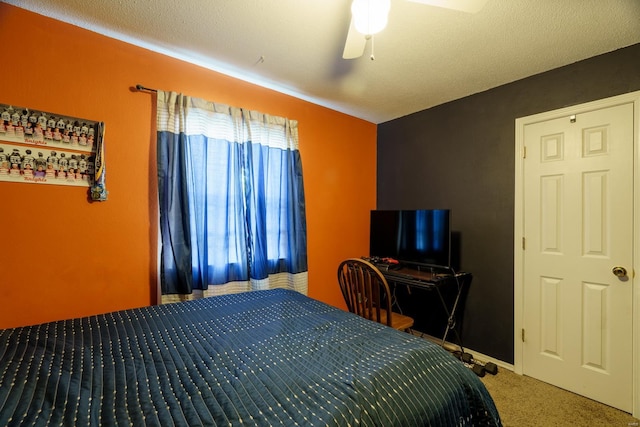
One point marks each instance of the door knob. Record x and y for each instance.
(619, 271)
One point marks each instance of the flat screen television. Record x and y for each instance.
(420, 237)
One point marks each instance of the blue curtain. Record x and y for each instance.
(231, 194)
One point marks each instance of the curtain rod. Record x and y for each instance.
(140, 87)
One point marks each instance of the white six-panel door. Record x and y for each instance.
(575, 315)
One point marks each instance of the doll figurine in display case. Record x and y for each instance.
(71, 168)
(19, 121)
(24, 118)
(51, 126)
(4, 162)
(15, 119)
(31, 126)
(5, 118)
(14, 161)
(48, 134)
(74, 138)
(28, 163)
(66, 136)
(28, 129)
(82, 166)
(52, 165)
(53, 161)
(42, 121)
(40, 165)
(49, 172)
(63, 164)
(57, 136)
(38, 132)
(9, 128)
(27, 171)
(82, 139)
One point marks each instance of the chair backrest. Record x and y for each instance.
(365, 290)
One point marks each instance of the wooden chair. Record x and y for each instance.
(367, 294)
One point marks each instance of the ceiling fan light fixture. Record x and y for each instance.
(370, 16)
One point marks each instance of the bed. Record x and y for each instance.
(267, 358)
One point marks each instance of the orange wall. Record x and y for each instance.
(63, 256)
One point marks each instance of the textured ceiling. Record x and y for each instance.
(426, 56)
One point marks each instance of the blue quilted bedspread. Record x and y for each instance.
(268, 358)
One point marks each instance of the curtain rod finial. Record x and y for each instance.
(142, 88)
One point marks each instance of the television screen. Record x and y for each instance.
(413, 236)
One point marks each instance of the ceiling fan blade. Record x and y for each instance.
(470, 6)
(355, 44)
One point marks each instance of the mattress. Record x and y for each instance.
(266, 358)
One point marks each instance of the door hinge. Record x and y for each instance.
(524, 152)
(522, 334)
(523, 243)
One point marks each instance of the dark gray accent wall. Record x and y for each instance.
(461, 155)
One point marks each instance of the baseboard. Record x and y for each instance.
(452, 347)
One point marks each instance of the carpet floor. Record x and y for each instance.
(523, 401)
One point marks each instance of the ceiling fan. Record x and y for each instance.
(370, 16)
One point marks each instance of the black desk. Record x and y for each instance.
(436, 279)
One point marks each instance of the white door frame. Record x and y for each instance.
(518, 279)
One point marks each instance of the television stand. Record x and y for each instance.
(435, 279)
